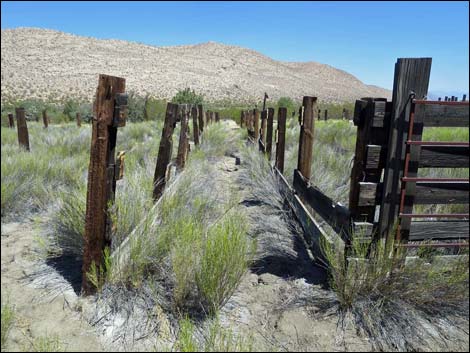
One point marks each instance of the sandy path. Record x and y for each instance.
(37, 313)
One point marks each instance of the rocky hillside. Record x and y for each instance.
(51, 65)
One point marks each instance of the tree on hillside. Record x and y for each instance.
(187, 96)
(286, 102)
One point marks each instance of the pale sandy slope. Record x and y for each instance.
(45, 63)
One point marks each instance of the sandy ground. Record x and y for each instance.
(38, 313)
(273, 304)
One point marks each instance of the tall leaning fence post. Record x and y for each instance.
(195, 127)
(200, 115)
(269, 133)
(23, 135)
(183, 144)
(256, 124)
(262, 139)
(11, 121)
(110, 111)
(164, 151)
(45, 118)
(281, 138)
(306, 120)
(411, 78)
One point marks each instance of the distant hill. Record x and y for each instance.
(51, 65)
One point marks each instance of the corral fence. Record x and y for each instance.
(384, 184)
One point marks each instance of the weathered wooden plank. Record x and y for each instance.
(183, 145)
(367, 193)
(269, 133)
(262, 139)
(438, 230)
(441, 193)
(314, 235)
(440, 114)
(165, 150)
(79, 119)
(200, 115)
(336, 215)
(306, 120)
(242, 118)
(22, 128)
(411, 78)
(11, 121)
(256, 124)
(101, 179)
(362, 229)
(195, 125)
(375, 157)
(281, 138)
(443, 156)
(217, 117)
(45, 119)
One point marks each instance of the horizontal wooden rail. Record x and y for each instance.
(438, 143)
(445, 115)
(436, 180)
(313, 233)
(431, 215)
(433, 245)
(427, 230)
(441, 193)
(443, 156)
(336, 215)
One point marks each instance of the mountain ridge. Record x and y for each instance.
(53, 65)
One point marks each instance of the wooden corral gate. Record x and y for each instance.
(385, 184)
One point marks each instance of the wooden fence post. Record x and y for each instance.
(269, 133)
(242, 118)
(110, 110)
(281, 138)
(79, 119)
(217, 117)
(319, 114)
(11, 121)
(464, 98)
(262, 139)
(326, 114)
(184, 139)
(256, 124)
(165, 150)
(304, 164)
(195, 127)
(200, 115)
(411, 80)
(45, 119)
(23, 135)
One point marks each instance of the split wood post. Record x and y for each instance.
(200, 115)
(79, 119)
(319, 114)
(183, 144)
(262, 140)
(439, 99)
(371, 142)
(36, 118)
(411, 77)
(195, 127)
(464, 98)
(446, 99)
(264, 101)
(326, 114)
(281, 138)
(164, 151)
(309, 105)
(110, 110)
(45, 119)
(242, 118)
(11, 121)
(23, 135)
(269, 133)
(256, 124)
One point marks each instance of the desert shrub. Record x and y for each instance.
(225, 258)
(185, 341)
(8, 317)
(187, 96)
(136, 107)
(47, 343)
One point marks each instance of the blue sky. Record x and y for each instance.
(362, 38)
